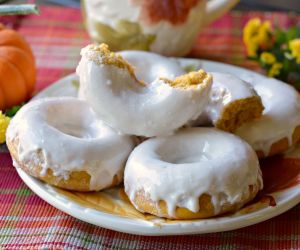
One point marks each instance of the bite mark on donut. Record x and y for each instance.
(239, 112)
(101, 55)
(189, 80)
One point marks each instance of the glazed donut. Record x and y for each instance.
(195, 173)
(108, 83)
(279, 127)
(60, 141)
(232, 102)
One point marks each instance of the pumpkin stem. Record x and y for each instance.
(20, 9)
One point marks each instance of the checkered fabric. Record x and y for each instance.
(27, 222)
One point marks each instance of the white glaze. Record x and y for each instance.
(180, 168)
(70, 138)
(127, 106)
(280, 117)
(226, 88)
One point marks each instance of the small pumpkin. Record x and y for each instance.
(17, 69)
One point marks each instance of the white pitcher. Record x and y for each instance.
(163, 26)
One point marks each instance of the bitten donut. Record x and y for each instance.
(279, 127)
(60, 141)
(131, 106)
(232, 102)
(195, 173)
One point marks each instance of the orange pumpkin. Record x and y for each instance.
(17, 69)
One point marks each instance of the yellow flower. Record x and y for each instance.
(264, 36)
(295, 49)
(257, 35)
(252, 49)
(275, 69)
(267, 58)
(4, 121)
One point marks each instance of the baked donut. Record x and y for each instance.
(232, 102)
(60, 141)
(195, 173)
(279, 126)
(131, 106)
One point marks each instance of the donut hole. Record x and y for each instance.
(183, 153)
(195, 148)
(184, 158)
(76, 121)
(74, 130)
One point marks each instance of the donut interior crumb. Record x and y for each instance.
(189, 80)
(239, 112)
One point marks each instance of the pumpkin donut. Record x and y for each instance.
(131, 106)
(195, 173)
(60, 141)
(279, 127)
(232, 102)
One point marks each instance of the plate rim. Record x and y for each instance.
(146, 228)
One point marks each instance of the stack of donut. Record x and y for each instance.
(202, 133)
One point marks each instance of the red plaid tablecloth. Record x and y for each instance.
(27, 222)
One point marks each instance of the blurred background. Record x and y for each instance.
(272, 5)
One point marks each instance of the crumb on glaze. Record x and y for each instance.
(190, 80)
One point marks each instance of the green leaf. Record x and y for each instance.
(12, 111)
(253, 58)
(286, 65)
(291, 33)
(296, 66)
(280, 37)
(278, 53)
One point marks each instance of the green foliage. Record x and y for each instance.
(290, 68)
(12, 111)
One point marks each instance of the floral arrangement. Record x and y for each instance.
(276, 50)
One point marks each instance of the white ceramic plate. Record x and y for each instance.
(285, 199)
